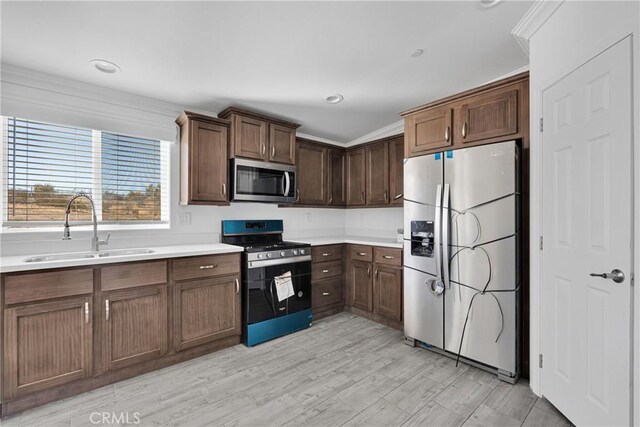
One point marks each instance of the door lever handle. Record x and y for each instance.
(615, 275)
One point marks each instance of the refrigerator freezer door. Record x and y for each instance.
(422, 176)
(423, 311)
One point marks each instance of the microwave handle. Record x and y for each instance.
(287, 184)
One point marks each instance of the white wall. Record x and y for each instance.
(573, 34)
(39, 96)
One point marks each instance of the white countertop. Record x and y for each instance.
(16, 263)
(358, 240)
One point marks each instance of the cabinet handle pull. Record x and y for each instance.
(297, 194)
(273, 151)
(376, 273)
(330, 198)
(362, 253)
(326, 253)
(326, 294)
(386, 196)
(224, 189)
(399, 196)
(263, 149)
(106, 309)
(325, 271)
(208, 267)
(464, 130)
(86, 312)
(447, 132)
(387, 257)
(369, 271)
(362, 196)
(237, 287)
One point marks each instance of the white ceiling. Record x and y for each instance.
(276, 57)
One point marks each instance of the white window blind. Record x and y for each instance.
(45, 164)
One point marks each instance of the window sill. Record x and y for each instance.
(81, 228)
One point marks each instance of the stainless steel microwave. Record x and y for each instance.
(254, 181)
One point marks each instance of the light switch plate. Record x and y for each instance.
(184, 218)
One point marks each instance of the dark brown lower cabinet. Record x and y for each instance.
(206, 310)
(135, 326)
(387, 292)
(46, 345)
(361, 285)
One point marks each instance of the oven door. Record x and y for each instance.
(263, 182)
(260, 290)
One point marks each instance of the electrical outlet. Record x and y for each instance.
(184, 218)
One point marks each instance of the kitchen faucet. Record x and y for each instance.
(95, 241)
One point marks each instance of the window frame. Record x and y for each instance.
(96, 172)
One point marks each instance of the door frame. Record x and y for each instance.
(592, 44)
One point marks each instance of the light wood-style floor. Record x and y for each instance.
(345, 370)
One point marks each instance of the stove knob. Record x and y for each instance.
(283, 253)
(295, 252)
(302, 251)
(268, 254)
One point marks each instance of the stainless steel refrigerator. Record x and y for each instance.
(461, 255)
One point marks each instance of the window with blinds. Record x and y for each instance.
(45, 164)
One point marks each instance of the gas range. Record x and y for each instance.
(278, 251)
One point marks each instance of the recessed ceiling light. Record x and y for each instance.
(334, 99)
(416, 52)
(489, 3)
(105, 66)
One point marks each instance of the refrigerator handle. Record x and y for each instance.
(437, 229)
(445, 236)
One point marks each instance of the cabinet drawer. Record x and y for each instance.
(327, 292)
(360, 253)
(389, 256)
(51, 284)
(131, 275)
(205, 266)
(323, 270)
(326, 253)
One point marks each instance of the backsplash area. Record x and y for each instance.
(201, 224)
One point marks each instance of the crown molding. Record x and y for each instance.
(535, 17)
(390, 130)
(319, 139)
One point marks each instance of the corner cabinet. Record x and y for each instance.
(311, 188)
(260, 137)
(203, 159)
(356, 177)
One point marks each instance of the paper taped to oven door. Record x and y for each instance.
(284, 286)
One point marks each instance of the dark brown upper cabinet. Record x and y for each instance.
(428, 130)
(312, 176)
(356, 177)
(203, 159)
(336, 175)
(377, 175)
(260, 137)
(489, 115)
(396, 171)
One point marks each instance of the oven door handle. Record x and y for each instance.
(287, 184)
(278, 261)
(272, 302)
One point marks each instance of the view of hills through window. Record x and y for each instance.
(45, 164)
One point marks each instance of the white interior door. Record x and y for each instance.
(587, 211)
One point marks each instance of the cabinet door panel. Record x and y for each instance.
(356, 177)
(361, 285)
(46, 345)
(208, 162)
(327, 292)
(396, 172)
(135, 326)
(388, 292)
(428, 131)
(206, 310)
(336, 176)
(378, 174)
(282, 144)
(250, 138)
(489, 115)
(311, 174)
